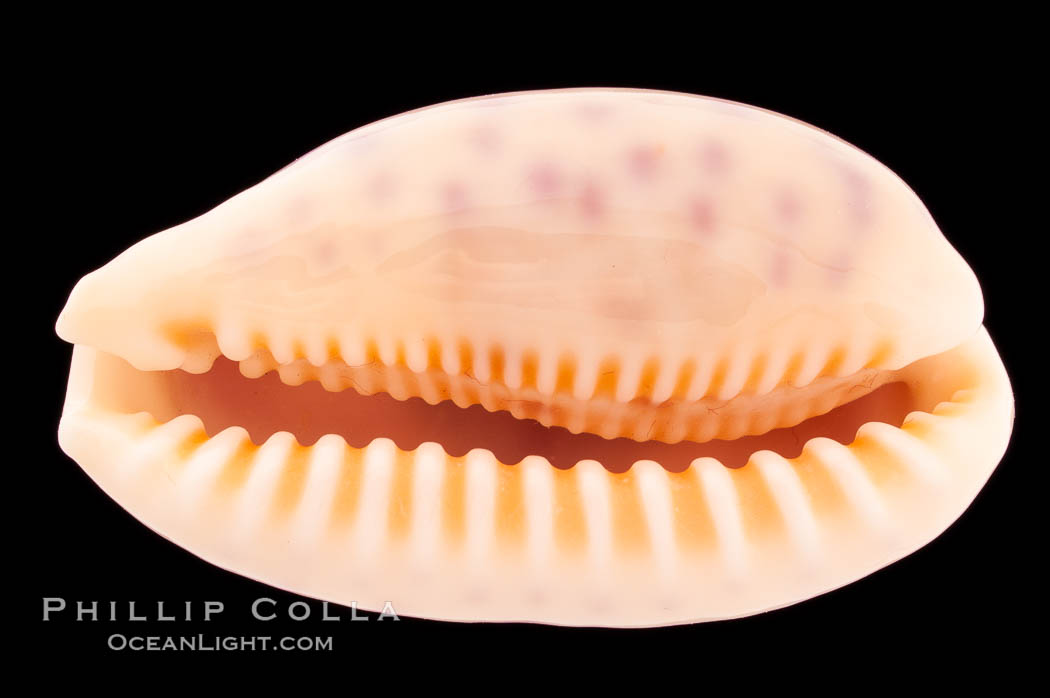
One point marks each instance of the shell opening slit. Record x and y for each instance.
(584, 357)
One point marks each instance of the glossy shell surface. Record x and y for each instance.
(660, 269)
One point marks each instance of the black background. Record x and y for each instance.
(129, 148)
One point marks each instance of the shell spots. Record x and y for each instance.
(714, 158)
(595, 112)
(484, 139)
(644, 161)
(787, 207)
(454, 197)
(325, 253)
(702, 216)
(325, 249)
(858, 197)
(381, 188)
(592, 201)
(299, 212)
(545, 180)
(623, 305)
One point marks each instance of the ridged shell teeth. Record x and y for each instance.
(709, 429)
(813, 359)
(736, 374)
(546, 371)
(512, 368)
(317, 350)
(258, 364)
(699, 380)
(429, 388)
(234, 341)
(281, 344)
(585, 378)
(664, 383)
(416, 355)
(202, 353)
(351, 347)
(396, 384)
(482, 365)
(386, 349)
(637, 397)
(855, 355)
(450, 361)
(774, 366)
(333, 377)
(655, 546)
(628, 378)
(294, 373)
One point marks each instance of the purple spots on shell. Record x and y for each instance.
(858, 197)
(381, 187)
(595, 111)
(702, 215)
(324, 253)
(299, 212)
(714, 158)
(592, 202)
(454, 196)
(545, 180)
(788, 207)
(484, 139)
(624, 305)
(644, 161)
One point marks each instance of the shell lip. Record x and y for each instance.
(606, 415)
(361, 417)
(939, 460)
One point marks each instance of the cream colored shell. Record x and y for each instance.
(624, 263)
(581, 223)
